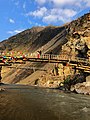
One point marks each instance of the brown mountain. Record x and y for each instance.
(32, 39)
(73, 38)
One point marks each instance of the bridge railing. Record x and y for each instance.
(44, 56)
(64, 57)
(57, 57)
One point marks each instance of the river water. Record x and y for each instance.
(20, 102)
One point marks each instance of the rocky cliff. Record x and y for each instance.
(79, 37)
(72, 39)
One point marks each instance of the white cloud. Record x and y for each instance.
(41, 2)
(60, 2)
(53, 11)
(64, 2)
(57, 15)
(38, 13)
(69, 12)
(15, 31)
(53, 15)
(11, 20)
(87, 3)
(50, 18)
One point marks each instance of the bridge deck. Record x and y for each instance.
(80, 63)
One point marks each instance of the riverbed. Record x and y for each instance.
(19, 102)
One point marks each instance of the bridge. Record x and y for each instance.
(8, 60)
(76, 62)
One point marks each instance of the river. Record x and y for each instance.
(19, 102)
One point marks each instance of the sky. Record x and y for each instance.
(19, 15)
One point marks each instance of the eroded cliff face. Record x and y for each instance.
(78, 35)
(71, 39)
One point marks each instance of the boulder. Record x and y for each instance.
(82, 88)
(88, 78)
(2, 89)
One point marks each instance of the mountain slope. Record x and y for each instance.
(30, 39)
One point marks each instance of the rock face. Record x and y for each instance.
(2, 89)
(83, 88)
(88, 78)
(71, 40)
(78, 37)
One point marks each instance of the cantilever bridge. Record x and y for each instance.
(77, 62)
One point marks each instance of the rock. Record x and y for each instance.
(72, 88)
(81, 88)
(60, 69)
(67, 71)
(88, 78)
(55, 71)
(2, 89)
(1, 83)
(87, 40)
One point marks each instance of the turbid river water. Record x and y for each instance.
(19, 102)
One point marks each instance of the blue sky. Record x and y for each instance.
(18, 15)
